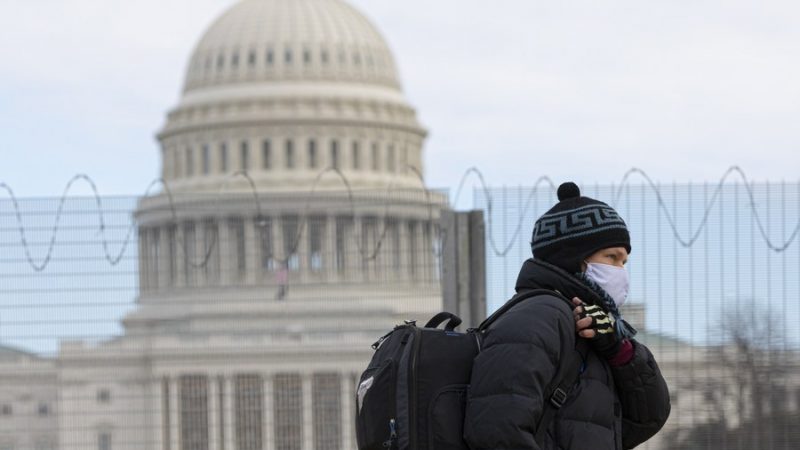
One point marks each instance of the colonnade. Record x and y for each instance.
(239, 250)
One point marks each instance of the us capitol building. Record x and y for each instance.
(259, 295)
(294, 228)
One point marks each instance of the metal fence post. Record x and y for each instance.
(464, 265)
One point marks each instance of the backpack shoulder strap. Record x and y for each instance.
(558, 391)
(568, 373)
(514, 301)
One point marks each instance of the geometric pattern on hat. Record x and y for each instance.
(582, 221)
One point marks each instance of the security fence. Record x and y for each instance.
(715, 291)
(241, 321)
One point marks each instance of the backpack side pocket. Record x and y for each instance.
(446, 418)
(375, 407)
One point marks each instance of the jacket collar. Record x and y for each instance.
(537, 274)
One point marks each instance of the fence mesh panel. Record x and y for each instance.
(715, 290)
(228, 322)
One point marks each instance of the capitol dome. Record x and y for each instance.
(285, 90)
(292, 153)
(277, 40)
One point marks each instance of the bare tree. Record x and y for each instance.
(755, 366)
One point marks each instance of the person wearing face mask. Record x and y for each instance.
(620, 399)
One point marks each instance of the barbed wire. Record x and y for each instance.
(38, 267)
(364, 252)
(208, 251)
(704, 222)
(490, 219)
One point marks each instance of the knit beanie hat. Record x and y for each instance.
(575, 228)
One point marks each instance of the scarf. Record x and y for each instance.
(537, 274)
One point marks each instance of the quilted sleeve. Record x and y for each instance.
(644, 396)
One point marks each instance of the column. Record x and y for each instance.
(180, 272)
(303, 248)
(197, 255)
(427, 250)
(213, 415)
(405, 252)
(280, 247)
(329, 247)
(227, 272)
(359, 249)
(269, 414)
(382, 260)
(144, 259)
(228, 413)
(157, 398)
(277, 246)
(251, 246)
(174, 412)
(421, 261)
(348, 411)
(201, 252)
(192, 257)
(308, 418)
(163, 257)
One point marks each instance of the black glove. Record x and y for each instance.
(605, 342)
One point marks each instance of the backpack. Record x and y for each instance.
(413, 394)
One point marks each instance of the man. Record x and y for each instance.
(620, 399)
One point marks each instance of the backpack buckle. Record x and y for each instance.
(558, 398)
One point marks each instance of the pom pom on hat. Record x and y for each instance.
(568, 190)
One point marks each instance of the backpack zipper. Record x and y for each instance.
(412, 422)
(392, 434)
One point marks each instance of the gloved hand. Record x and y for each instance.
(597, 326)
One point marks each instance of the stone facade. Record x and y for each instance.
(293, 229)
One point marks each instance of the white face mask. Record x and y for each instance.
(613, 279)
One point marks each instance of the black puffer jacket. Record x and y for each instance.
(611, 408)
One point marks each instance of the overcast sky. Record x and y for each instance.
(519, 88)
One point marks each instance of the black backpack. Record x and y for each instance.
(413, 394)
